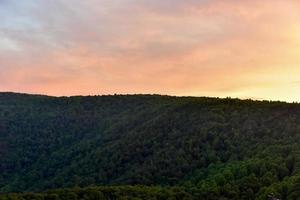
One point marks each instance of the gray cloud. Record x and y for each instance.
(126, 42)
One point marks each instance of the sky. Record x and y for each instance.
(222, 48)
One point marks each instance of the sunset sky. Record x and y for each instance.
(245, 49)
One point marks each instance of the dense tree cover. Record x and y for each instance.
(105, 193)
(213, 148)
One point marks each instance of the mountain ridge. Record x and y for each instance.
(213, 147)
(146, 94)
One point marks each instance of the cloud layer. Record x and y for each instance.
(194, 47)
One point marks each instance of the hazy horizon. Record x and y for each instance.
(150, 94)
(240, 49)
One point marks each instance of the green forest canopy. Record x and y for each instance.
(201, 148)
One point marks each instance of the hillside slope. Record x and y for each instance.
(236, 149)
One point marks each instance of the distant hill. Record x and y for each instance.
(209, 147)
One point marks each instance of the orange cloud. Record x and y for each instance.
(216, 48)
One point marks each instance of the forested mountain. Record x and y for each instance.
(201, 148)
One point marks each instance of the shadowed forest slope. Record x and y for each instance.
(211, 148)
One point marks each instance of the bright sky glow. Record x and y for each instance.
(245, 49)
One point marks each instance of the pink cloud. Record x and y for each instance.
(173, 47)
